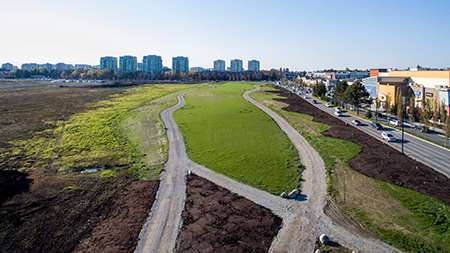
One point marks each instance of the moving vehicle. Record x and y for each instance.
(376, 125)
(338, 113)
(394, 122)
(328, 105)
(356, 122)
(337, 109)
(387, 136)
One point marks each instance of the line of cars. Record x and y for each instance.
(303, 92)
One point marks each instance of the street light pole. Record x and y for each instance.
(403, 122)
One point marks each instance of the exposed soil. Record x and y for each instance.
(120, 230)
(11, 183)
(23, 112)
(376, 160)
(60, 213)
(217, 220)
(57, 213)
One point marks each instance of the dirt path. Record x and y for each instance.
(160, 231)
(305, 223)
(302, 221)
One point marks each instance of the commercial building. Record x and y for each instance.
(429, 87)
(236, 65)
(108, 63)
(152, 64)
(370, 83)
(180, 64)
(253, 65)
(219, 65)
(128, 63)
(351, 75)
(389, 89)
(29, 66)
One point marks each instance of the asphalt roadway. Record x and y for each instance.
(421, 150)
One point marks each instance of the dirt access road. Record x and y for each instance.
(308, 221)
(302, 221)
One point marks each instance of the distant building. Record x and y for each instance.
(180, 64)
(351, 75)
(62, 66)
(197, 69)
(127, 63)
(8, 66)
(82, 66)
(236, 65)
(370, 83)
(47, 66)
(219, 65)
(108, 63)
(253, 65)
(29, 66)
(152, 64)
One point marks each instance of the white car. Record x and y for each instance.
(356, 122)
(387, 136)
(337, 109)
(394, 122)
(328, 105)
(338, 113)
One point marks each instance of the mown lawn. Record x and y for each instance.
(231, 136)
(403, 218)
(103, 137)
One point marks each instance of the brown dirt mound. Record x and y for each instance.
(59, 212)
(377, 160)
(217, 220)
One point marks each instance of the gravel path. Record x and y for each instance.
(301, 228)
(303, 221)
(160, 231)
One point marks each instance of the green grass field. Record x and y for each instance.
(110, 136)
(406, 219)
(231, 136)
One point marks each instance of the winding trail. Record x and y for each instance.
(308, 221)
(159, 233)
(303, 221)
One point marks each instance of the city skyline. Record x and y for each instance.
(297, 35)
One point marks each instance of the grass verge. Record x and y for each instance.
(231, 136)
(403, 218)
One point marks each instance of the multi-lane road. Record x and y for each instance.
(423, 151)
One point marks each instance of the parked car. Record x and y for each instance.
(314, 101)
(394, 122)
(387, 136)
(376, 125)
(356, 122)
(328, 105)
(337, 109)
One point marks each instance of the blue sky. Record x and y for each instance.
(295, 34)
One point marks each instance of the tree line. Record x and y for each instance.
(355, 94)
(99, 74)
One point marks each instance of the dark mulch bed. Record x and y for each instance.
(217, 220)
(57, 213)
(377, 160)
